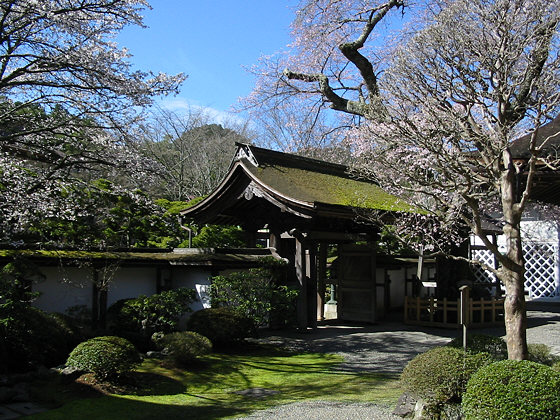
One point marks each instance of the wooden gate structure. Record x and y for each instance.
(304, 205)
(357, 285)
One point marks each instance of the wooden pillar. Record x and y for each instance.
(99, 302)
(311, 272)
(321, 279)
(373, 262)
(251, 237)
(95, 300)
(275, 240)
(301, 274)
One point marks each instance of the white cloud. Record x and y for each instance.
(182, 105)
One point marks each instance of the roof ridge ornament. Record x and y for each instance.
(244, 152)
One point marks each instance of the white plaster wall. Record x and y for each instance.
(63, 287)
(198, 279)
(129, 282)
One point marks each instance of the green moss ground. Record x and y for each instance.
(207, 390)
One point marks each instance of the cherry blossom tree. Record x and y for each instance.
(436, 108)
(68, 95)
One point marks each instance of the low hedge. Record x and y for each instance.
(185, 346)
(540, 353)
(31, 337)
(440, 375)
(221, 325)
(513, 390)
(107, 357)
(481, 343)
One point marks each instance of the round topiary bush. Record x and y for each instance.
(184, 347)
(440, 375)
(513, 390)
(106, 357)
(481, 343)
(221, 325)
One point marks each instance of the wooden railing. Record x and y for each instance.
(445, 312)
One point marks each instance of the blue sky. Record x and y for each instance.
(211, 41)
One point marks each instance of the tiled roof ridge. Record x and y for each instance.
(272, 157)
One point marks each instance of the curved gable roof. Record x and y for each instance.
(295, 184)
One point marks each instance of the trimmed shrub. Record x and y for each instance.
(440, 375)
(540, 353)
(147, 314)
(255, 294)
(221, 325)
(185, 346)
(30, 337)
(513, 390)
(106, 357)
(480, 343)
(556, 366)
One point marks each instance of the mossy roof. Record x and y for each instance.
(327, 188)
(307, 188)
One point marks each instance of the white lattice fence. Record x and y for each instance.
(541, 262)
(481, 275)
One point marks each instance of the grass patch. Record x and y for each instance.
(208, 389)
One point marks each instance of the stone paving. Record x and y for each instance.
(19, 409)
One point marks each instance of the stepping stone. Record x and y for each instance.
(7, 414)
(257, 392)
(25, 408)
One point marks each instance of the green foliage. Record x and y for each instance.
(147, 314)
(440, 375)
(106, 357)
(214, 236)
(481, 343)
(111, 217)
(221, 325)
(253, 293)
(556, 366)
(513, 390)
(185, 346)
(15, 286)
(30, 337)
(389, 243)
(540, 353)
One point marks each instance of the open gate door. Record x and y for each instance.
(357, 295)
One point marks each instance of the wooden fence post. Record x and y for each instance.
(466, 311)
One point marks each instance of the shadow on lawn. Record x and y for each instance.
(210, 390)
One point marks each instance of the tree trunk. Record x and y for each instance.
(512, 271)
(515, 316)
(513, 278)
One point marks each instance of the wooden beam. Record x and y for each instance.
(338, 236)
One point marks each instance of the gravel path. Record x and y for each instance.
(325, 410)
(384, 348)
